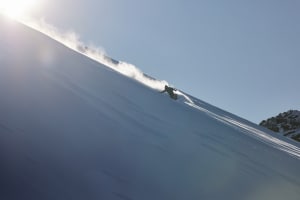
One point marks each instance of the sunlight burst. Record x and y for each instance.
(17, 9)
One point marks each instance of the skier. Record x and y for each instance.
(170, 91)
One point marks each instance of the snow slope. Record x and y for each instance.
(72, 128)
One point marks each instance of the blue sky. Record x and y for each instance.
(241, 56)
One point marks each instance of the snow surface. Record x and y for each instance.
(72, 128)
(71, 39)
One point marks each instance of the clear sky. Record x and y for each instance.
(240, 55)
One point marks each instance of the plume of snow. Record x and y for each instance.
(186, 98)
(72, 40)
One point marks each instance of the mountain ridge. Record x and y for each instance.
(286, 123)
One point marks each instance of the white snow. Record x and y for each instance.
(71, 40)
(72, 128)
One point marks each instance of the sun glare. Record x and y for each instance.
(17, 9)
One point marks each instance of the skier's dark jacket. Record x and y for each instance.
(170, 91)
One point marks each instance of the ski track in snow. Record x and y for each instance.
(251, 131)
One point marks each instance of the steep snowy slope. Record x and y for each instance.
(71, 128)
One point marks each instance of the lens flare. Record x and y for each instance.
(17, 9)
